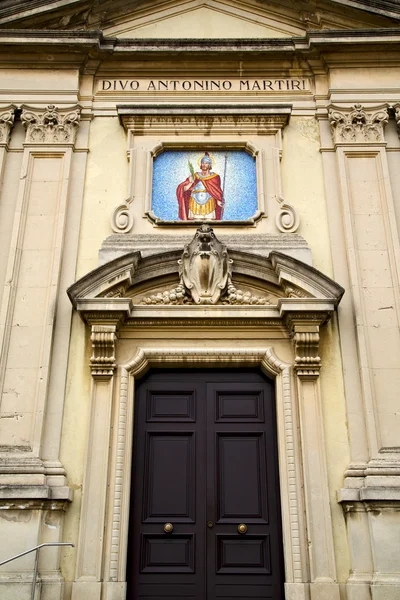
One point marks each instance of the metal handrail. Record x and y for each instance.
(35, 549)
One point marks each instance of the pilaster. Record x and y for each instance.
(32, 276)
(305, 332)
(7, 116)
(29, 341)
(90, 559)
(372, 248)
(370, 341)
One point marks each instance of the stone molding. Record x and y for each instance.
(358, 124)
(197, 126)
(118, 245)
(95, 42)
(265, 358)
(7, 116)
(52, 125)
(104, 295)
(199, 118)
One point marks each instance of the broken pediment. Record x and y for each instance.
(204, 273)
(196, 19)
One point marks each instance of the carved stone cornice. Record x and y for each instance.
(357, 124)
(7, 115)
(102, 361)
(151, 120)
(14, 503)
(52, 125)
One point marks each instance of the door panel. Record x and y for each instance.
(241, 489)
(248, 555)
(205, 460)
(162, 554)
(170, 477)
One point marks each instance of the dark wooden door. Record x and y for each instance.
(205, 460)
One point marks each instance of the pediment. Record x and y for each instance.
(209, 19)
(133, 283)
(196, 19)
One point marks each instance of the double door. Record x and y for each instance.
(205, 515)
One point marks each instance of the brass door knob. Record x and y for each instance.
(242, 528)
(168, 527)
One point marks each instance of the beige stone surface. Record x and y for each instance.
(66, 409)
(105, 184)
(206, 22)
(303, 186)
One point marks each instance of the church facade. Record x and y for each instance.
(199, 275)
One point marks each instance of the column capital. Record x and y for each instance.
(50, 125)
(7, 115)
(357, 124)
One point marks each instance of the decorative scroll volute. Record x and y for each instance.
(51, 126)
(102, 361)
(7, 115)
(306, 343)
(357, 124)
(205, 267)
(121, 218)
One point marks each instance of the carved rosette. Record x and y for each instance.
(7, 115)
(102, 361)
(51, 126)
(357, 124)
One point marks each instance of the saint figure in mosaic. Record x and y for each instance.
(201, 196)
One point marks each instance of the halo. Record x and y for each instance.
(211, 158)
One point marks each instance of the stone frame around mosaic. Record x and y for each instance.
(227, 124)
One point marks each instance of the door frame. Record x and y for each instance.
(291, 496)
(127, 339)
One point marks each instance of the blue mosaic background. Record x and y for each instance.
(171, 168)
